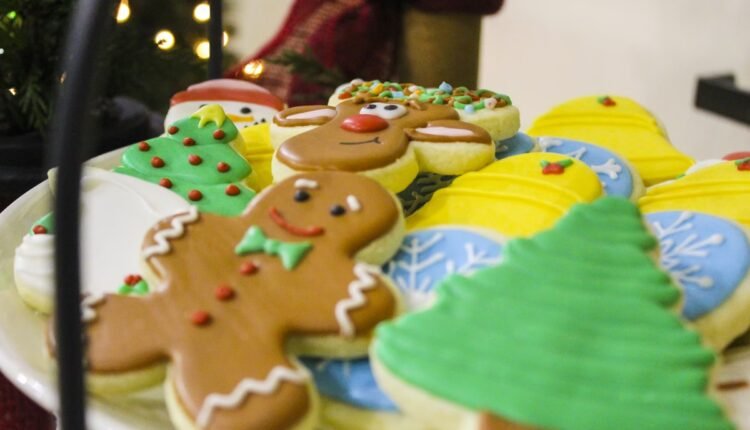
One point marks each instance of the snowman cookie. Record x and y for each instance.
(237, 296)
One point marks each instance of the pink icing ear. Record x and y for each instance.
(449, 131)
(445, 131)
(313, 114)
(304, 115)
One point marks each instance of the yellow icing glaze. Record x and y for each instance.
(720, 189)
(258, 151)
(210, 113)
(511, 196)
(626, 128)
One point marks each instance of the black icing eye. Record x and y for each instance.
(246, 110)
(262, 120)
(371, 106)
(391, 107)
(301, 196)
(337, 210)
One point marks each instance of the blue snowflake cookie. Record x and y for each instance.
(423, 260)
(707, 255)
(520, 143)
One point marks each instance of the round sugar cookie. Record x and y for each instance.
(352, 398)
(709, 257)
(621, 125)
(516, 196)
(258, 151)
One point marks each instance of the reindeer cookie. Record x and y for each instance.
(388, 140)
(232, 292)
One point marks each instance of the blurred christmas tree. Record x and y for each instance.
(156, 49)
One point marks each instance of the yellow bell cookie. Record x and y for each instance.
(619, 124)
(258, 151)
(516, 196)
(721, 188)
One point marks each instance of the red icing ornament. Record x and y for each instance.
(343, 96)
(553, 169)
(744, 166)
(607, 101)
(157, 162)
(222, 167)
(363, 123)
(195, 195)
(165, 182)
(200, 318)
(248, 268)
(132, 279)
(232, 190)
(143, 146)
(219, 134)
(39, 229)
(172, 130)
(224, 292)
(194, 159)
(188, 141)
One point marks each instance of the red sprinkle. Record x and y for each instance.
(224, 292)
(222, 167)
(232, 190)
(172, 130)
(157, 162)
(219, 134)
(248, 268)
(132, 279)
(343, 96)
(194, 159)
(165, 182)
(200, 318)
(188, 141)
(195, 195)
(39, 229)
(143, 146)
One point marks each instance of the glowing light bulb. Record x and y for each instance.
(2, 51)
(164, 39)
(202, 12)
(203, 49)
(253, 69)
(224, 38)
(12, 91)
(123, 12)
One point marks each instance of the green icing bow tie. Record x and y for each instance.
(291, 253)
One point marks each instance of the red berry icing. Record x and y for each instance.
(165, 182)
(39, 229)
(224, 292)
(607, 101)
(222, 167)
(345, 95)
(194, 159)
(132, 279)
(195, 195)
(219, 134)
(200, 318)
(232, 190)
(172, 130)
(555, 167)
(157, 162)
(188, 141)
(143, 146)
(744, 165)
(248, 268)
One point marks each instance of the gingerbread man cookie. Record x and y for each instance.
(232, 292)
(388, 140)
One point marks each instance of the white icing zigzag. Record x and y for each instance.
(365, 281)
(247, 386)
(177, 229)
(689, 247)
(88, 313)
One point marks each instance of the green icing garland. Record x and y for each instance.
(574, 330)
(206, 134)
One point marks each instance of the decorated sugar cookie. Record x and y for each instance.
(245, 103)
(295, 268)
(116, 212)
(621, 125)
(575, 329)
(617, 176)
(490, 110)
(258, 151)
(351, 397)
(196, 159)
(516, 196)
(709, 257)
(388, 140)
(717, 187)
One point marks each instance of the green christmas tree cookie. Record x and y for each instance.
(576, 329)
(195, 159)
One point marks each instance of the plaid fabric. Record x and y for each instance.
(17, 412)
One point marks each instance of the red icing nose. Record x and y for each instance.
(362, 123)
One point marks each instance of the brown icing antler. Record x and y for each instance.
(232, 291)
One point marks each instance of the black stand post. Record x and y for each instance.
(216, 40)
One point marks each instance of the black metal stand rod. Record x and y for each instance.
(215, 39)
(70, 134)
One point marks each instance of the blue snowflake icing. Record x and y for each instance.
(613, 172)
(520, 143)
(424, 259)
(707, 255)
